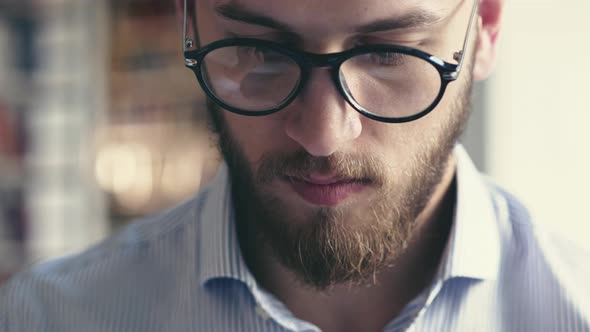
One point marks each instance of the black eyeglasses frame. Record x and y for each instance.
(307, 61)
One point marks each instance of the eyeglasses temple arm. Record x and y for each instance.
(184, 41)
(188, 42)
(460, 56)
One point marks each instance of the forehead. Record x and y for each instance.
(322, 15)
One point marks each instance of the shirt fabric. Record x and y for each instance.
(182, 270)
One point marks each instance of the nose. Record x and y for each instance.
(320, 119)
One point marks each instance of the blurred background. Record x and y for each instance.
(100, 123)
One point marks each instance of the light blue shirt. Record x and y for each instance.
(182, 271)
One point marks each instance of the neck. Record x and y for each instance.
(348, 307)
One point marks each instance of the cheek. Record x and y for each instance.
(453, 102)
(390, 143)
(256, 136)
(400, 144)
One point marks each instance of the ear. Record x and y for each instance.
(490, 12)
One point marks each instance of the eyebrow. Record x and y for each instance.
(417, 18)
(236, 12)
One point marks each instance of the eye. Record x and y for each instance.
(263, 61)
(386, 58)
(260, 54)
(250, 52)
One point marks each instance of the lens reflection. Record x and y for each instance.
(257, 79)
(391, 85)
(250, 78)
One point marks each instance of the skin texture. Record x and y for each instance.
(367, 256)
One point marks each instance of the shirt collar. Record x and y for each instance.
(473, 248)
(219, 251)
(472, 251)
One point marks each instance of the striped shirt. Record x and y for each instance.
(182, 270)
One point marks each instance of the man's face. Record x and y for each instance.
(333, 194)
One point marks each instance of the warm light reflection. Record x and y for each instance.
(182, 173)
(125, 169)
(146, 167)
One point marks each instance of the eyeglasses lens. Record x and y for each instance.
(257, 79)
(249, 78)
(390, 85)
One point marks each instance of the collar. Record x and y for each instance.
(221, 258)
(473, 248)
(220, 253)
(472, 251)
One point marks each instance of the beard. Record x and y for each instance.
(329, 246)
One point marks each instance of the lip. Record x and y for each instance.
(325, 190)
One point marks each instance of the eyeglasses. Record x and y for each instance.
(388, 83)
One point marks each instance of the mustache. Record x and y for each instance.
(300, 164)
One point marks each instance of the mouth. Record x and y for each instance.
(324, 190)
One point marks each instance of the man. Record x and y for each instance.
(345, 203)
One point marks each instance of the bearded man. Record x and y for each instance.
(345, 202)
